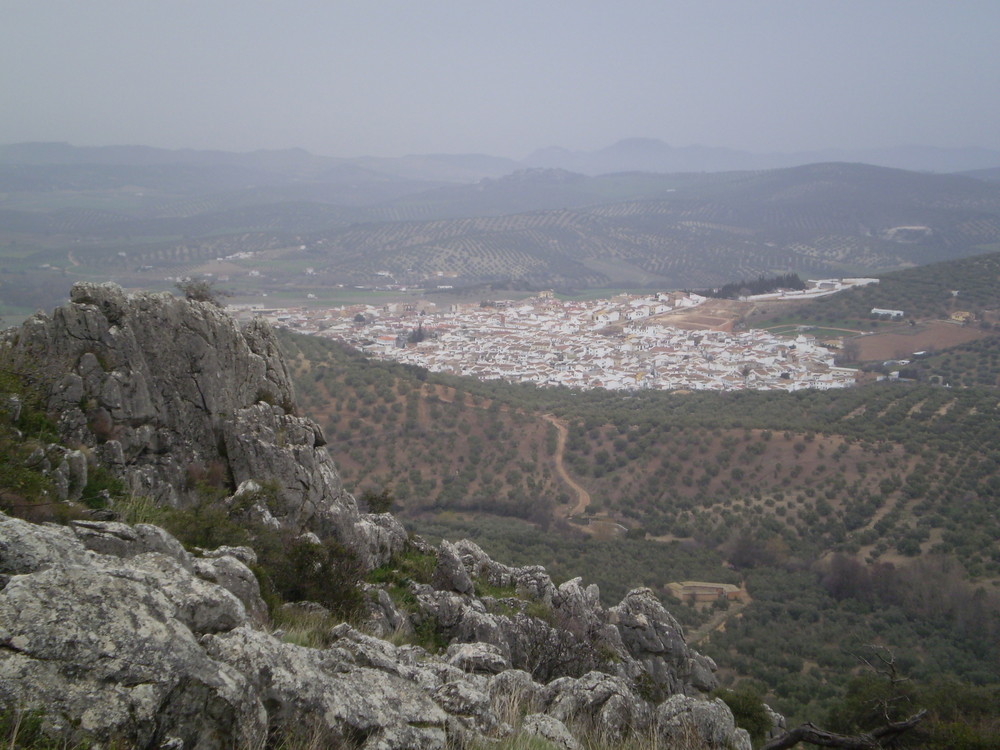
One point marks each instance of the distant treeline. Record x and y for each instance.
(762, 285)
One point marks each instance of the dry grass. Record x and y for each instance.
(511, 708)
(304, 627)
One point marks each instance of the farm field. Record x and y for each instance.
(929, 336)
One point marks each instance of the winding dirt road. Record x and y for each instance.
(582, 496)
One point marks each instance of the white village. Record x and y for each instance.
(624, 343)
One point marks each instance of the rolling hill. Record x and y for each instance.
(689, 230)
(292, 223)
(862, 516)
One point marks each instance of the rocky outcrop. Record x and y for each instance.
(181, 403)
(108, 644)
(322, 689)
(117, 634)
(553, 631)
(680, 717)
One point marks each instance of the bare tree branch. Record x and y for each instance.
(882, 662)
(874, 740)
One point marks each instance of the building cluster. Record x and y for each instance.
(619, 344)
(699, 592)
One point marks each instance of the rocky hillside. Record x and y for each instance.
(177, 401)
(118, 634)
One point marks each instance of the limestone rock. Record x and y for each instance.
(530, 580)
(680, 717)
(778, 724)
(103, 654)
(168, 393)
(515, 693)
(450, 573)
(123, 540)
(116, 631)
(606, 704)
(301, 685)
(383, 617)
(26, 547)
(235, 577)
(471, 706)
(653, 637)
(10, 407)
(481, 658)
(70, 475)
(245, 555)
(201, 606)
(551, 730)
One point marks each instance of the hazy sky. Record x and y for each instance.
(387, 77)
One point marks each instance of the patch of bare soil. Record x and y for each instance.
(713, 315)
(930, 336)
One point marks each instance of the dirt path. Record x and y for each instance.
(718, 620)
(820, 327)
(73, 261)
(582, 496)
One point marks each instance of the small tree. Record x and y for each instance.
(201, 290)
(416, 335)
(378, 502)
(748, 709)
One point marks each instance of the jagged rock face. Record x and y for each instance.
(637, 640)
(169, 393)
(655, 638)
(156, 374)
(109, 643)
(303, 685)
(119, 635)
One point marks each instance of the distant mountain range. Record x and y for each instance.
(542, 228)
(629, 155)
(651, 155)
(300, 223)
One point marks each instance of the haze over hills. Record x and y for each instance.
(650, 154)
(992, 175)
(626, 155)
(298, 224)
(680, 231)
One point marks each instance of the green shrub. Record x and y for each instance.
(409, 565)
(483, 589)
(102, 488)
(201, 290)
(21, 728)
(304, 627)
(428, 635)
(301, 570)
(205, 525)
(378, 502)
(748, 711)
